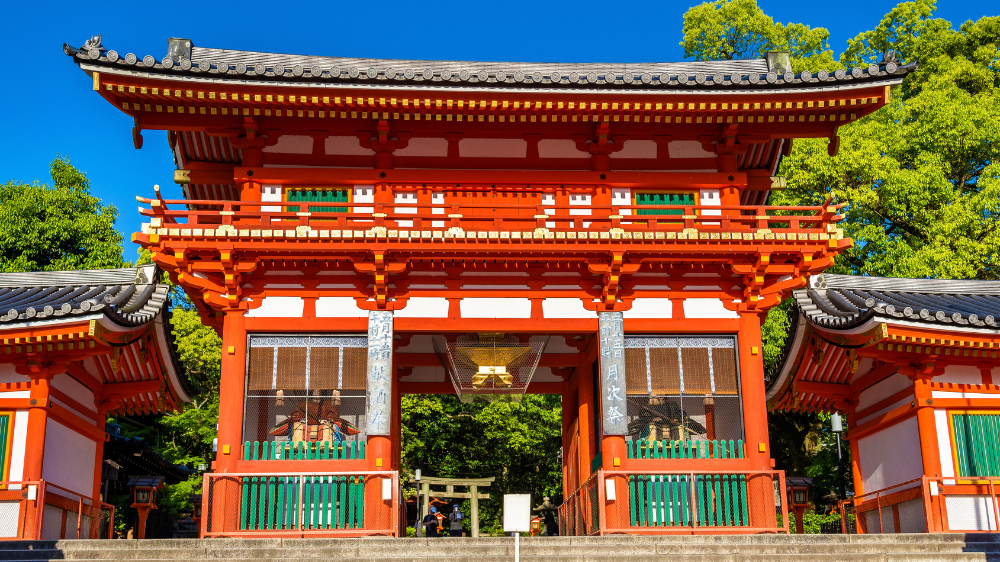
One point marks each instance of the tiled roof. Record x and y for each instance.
(845, 301)
(223, 65)
(127, 296)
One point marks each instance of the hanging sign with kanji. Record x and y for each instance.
(613, 406)
(379, 372)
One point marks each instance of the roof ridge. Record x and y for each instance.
(142, 274)
(906, 284)
(255, 66)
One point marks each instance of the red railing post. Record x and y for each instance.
(602, 503)
(79, 518)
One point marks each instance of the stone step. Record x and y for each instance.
(735, 557)
(405, 548)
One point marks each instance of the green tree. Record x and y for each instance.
(57, 227)
(516, 442)
(739, 29)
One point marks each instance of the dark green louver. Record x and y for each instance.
(5, 420)
(977, 444)
(663, 199)
(318, 196)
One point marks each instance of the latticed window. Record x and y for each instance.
(305, 395)
(663, 199)
(684, 389)
(977, 443)
(317, 195)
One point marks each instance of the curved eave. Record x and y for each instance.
(778, 384)
(168, 351)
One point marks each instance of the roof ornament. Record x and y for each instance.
(889, 56)
(779, 62)
(179, 49)
(92, 47)
(819, 281)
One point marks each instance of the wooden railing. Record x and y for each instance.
(28, 505)
(677, 502)
(275, 451)
(715, 449)
(301, 504)
(814, 221)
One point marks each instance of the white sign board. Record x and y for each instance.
(517, 513)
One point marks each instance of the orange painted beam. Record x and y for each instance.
(449, 388)
(340, 176)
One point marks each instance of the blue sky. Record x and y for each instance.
(50, 109)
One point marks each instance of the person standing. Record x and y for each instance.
(431, 523)
(455, 529)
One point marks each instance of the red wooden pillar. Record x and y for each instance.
(929, 452)
(225, 494)
(613, 453)
(251, 190)
(760, 490)
(34, 447)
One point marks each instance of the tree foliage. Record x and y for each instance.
(57, 227)
(919, 178)
(739, 29)
(518, 443)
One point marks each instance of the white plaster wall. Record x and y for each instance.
(69, 459)
(884, 389)
(424, 147)
(637, 149)
(710, 198)
(643, 307)
(622, 196)
(688, 149)
(970, 513)
(960, 374)
(964, 394)
(293, 144)
(19, 442)
(493, 148)
(346, 146)
(279, 307)
(405, 198)
(707, 308)
(75, 390)
(437, 199)
(566, 308)
(888, 408)
(424, 307)
(580, 200)
(944, 442)
(559, 148)
(496, 308)
(363, 194)
(339, 307)
(8, 374)
(891, 456)
(270, 193)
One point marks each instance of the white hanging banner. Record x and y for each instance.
(612, 345)
(379, 372)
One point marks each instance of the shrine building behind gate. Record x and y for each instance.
(914, 365)
(357, 229)
(75, 348)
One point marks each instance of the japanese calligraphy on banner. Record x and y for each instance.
(379, 372)
(613, 406)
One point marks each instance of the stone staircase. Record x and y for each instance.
(735, 548)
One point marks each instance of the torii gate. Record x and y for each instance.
(449, 483)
